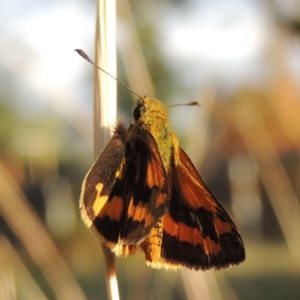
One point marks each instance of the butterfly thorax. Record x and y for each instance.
(153, 115)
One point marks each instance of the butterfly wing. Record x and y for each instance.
(197, 232)
(95, 202)
(125, 192)
(144, 186)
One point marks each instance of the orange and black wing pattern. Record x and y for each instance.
(143, 188)
(125, 192)
(197, 232)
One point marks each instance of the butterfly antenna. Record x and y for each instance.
(86, 57)
(192, 103)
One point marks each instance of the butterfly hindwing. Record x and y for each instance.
(97, 210)
(197, 232)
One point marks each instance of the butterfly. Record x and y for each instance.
(144, 193)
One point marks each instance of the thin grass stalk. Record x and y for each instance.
(16, 278)
(16, 210)
(105, 106)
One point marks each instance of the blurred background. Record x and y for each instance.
(240, 59)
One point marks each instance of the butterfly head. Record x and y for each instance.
(139, 109)
(150, 109)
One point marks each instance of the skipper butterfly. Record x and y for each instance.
(143, 192)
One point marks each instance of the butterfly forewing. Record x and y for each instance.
(145, 187)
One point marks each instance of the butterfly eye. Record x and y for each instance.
(139, 110)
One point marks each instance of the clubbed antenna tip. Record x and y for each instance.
(86, 57)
